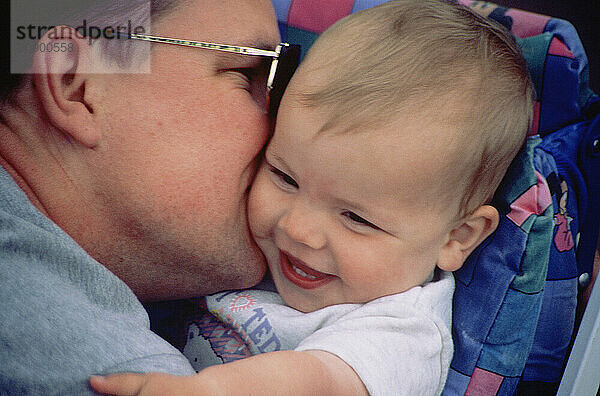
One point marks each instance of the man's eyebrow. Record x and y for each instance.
(258, 41)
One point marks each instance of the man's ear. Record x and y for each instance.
(466, 236)
(59, 74)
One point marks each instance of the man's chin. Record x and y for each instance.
(255, 270)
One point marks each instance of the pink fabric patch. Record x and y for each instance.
(534, 201)
(535, 123)
(483, 382)
(317, 15)
(558, 48)
(527, 24)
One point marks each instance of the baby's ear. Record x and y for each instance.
(466, 236)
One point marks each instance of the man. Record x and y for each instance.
(146, 174)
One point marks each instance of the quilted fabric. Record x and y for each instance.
(514, 305)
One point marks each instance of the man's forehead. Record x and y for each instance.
(250, 23)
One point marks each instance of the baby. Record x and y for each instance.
(390, 141)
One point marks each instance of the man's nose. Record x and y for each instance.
(301, 224)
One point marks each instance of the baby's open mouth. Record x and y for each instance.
(300, 274)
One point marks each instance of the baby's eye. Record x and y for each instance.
(356, 219)
(283, 177)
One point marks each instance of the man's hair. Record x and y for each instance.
(433, 59)
(95, 13)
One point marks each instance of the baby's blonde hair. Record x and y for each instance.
(429, 58)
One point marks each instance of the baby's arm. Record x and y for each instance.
(276, 373)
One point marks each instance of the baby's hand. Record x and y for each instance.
(151, 384)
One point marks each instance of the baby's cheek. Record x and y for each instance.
(259, 203)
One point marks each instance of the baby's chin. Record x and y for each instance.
(300, 303)
(304, 308)
(310, 305)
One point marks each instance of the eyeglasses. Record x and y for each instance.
(284, 61)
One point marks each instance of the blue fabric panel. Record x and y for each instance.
(560, 93)
(512, 239)
(553, 333)
(283, 31)
(282, 8)
(504, 351)
(360, 5)
(508, 386)
(590, 168)
(456, 383)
